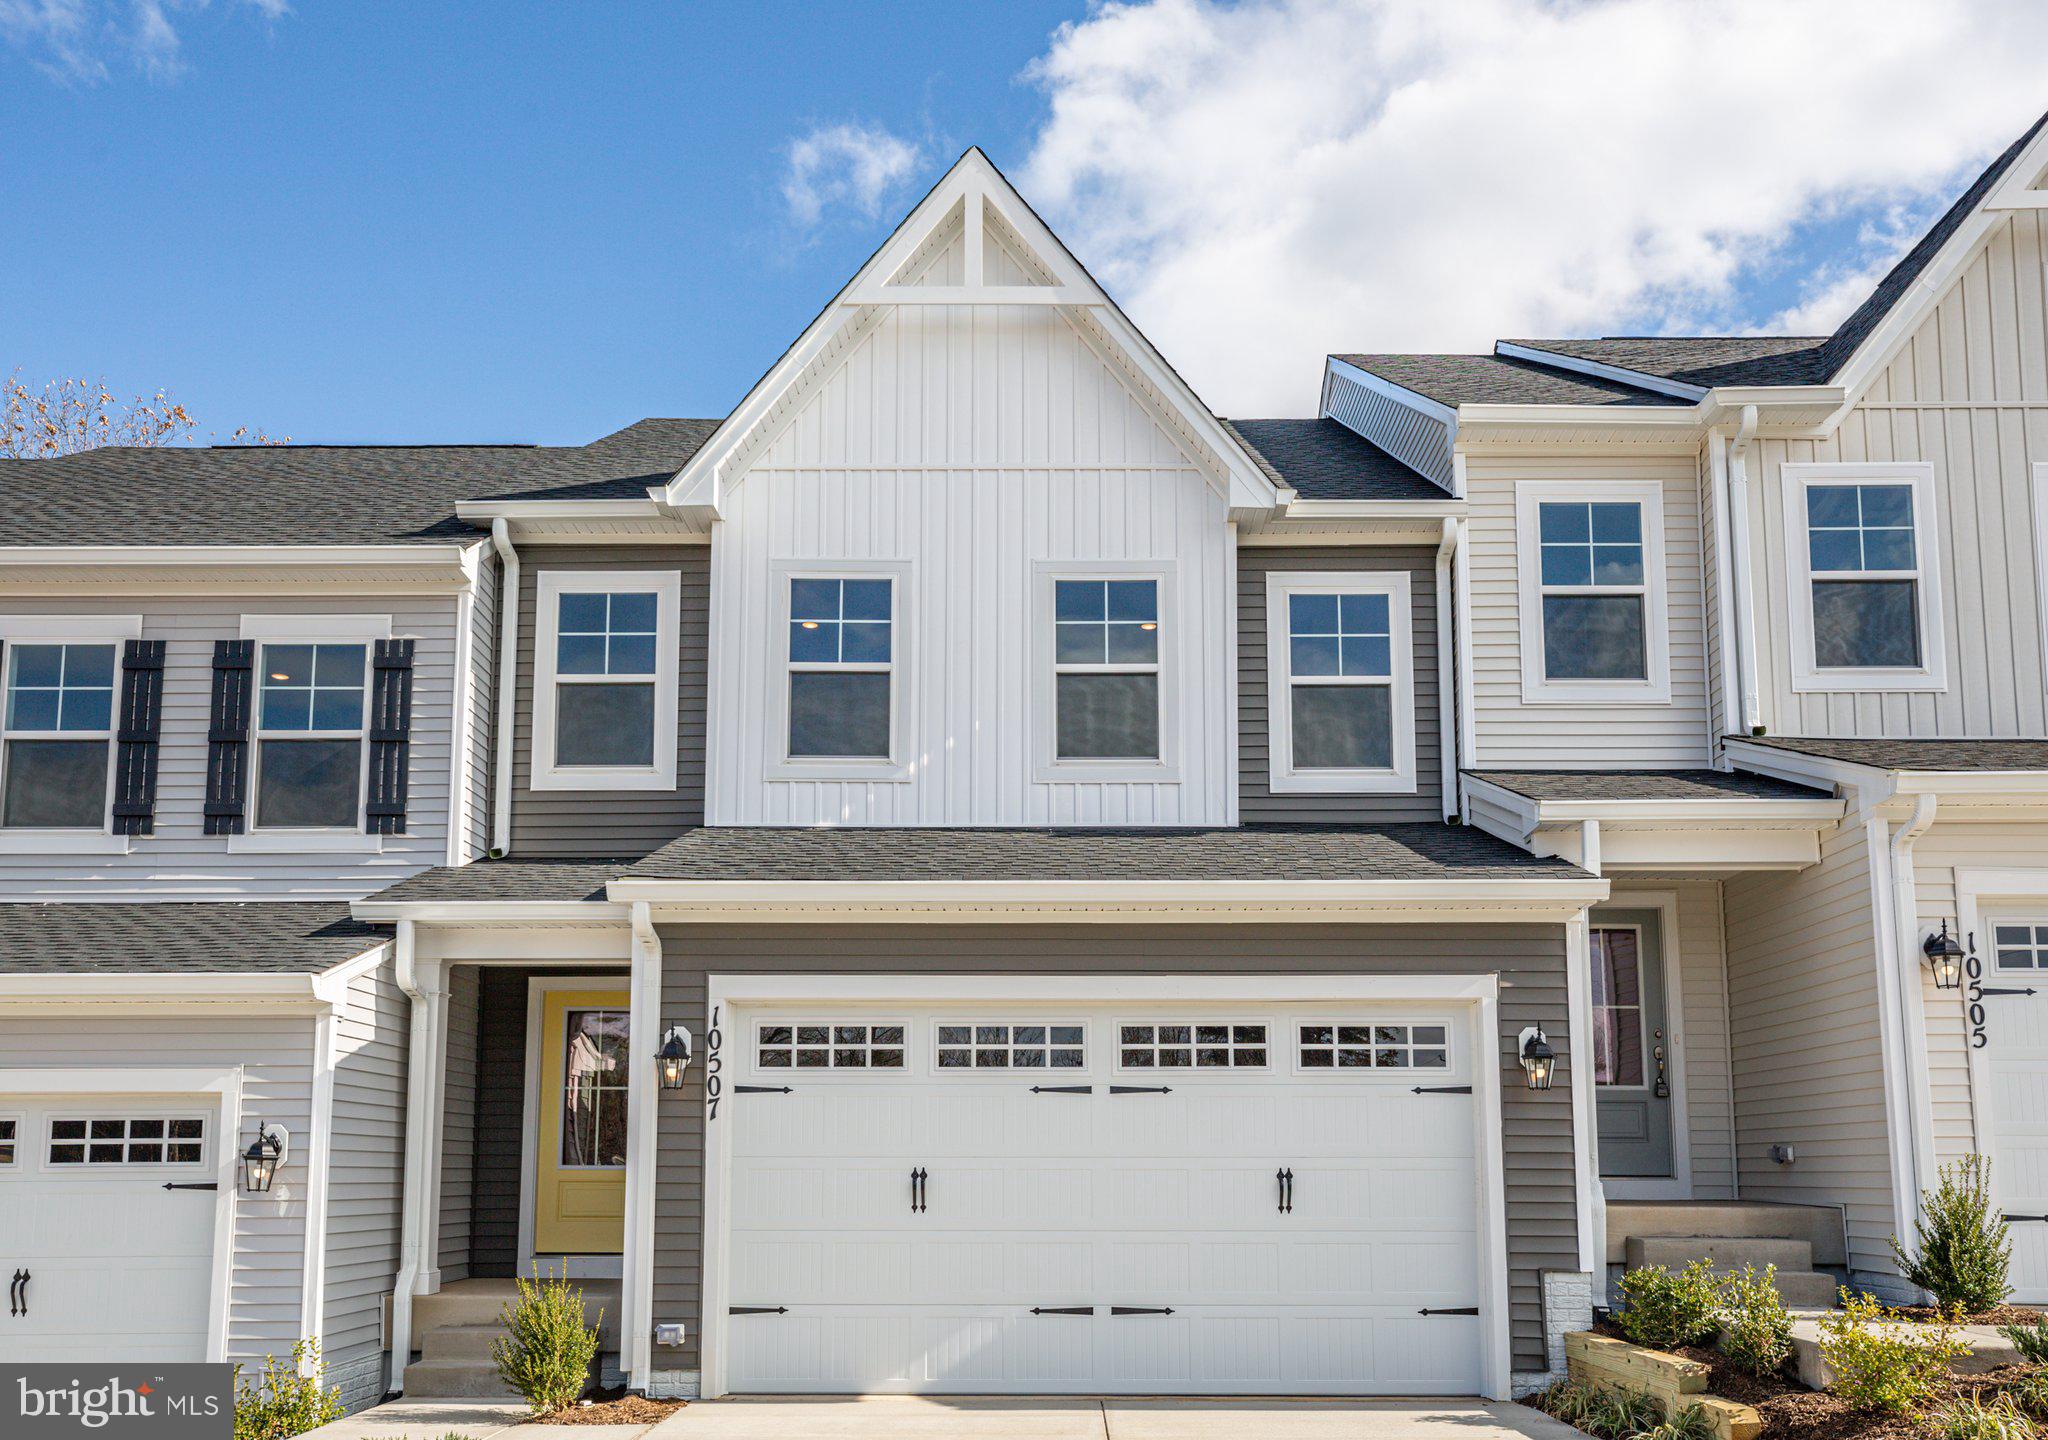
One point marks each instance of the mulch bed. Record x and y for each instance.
(612, 1408)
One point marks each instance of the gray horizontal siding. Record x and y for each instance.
(1257, 804)
(1541, 1212)
(628, 822)
(499, 1124)
(458, 1123)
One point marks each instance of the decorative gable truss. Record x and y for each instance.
(972, 241)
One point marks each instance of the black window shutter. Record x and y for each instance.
(227, 736)
(390, 736)
(137, 733)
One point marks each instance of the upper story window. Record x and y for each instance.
(1591, 568)
(59, 735)
(1108, 674)
(842, 656)
(1865, 598)
(1340, 685)
(309, 735)
(605, 678)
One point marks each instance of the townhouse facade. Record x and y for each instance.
(1552, 806)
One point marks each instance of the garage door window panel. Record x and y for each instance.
(1367, 1044)
(1192, 1045)
(106, 1141)
(830, 1045)
(10, 1140)
(2021, 945)
(1032, 1045)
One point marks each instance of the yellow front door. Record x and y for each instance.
(580, 1180)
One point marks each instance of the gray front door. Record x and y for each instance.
(1631, 1045)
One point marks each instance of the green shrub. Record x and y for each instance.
(1603, 1411)
(2030, 1340)
(1964, 1249)
(1971, 1419)
(1689, 1423)
(1756, 1332)
(1881, 1362)
(286, 1399)
(546, 1352)
(2030, 1393)
(1663, 1309)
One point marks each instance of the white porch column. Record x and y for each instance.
(643, 1095)
(419, 1204)
(1592, 1200)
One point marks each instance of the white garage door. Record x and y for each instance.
(2011, 1005)
(1119, 1199)
(102, 1262)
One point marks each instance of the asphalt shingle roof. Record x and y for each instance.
(292, 938)
(512, 879)
(318, 494)
(1285, 852)
(1500, 380)
(1645, 785)
(1952, 755)
(1323, 460)
(1704, 360)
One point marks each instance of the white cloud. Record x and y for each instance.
(71, 40)
(853, 165)
(1262, 183)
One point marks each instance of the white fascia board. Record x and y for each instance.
(275, 992)
(1733, 812)
(1797, 767)
(2032, 785)
(1641, 380)
(516, 510)
(1615, 417)
(492, 912)
(1725, 402)
(1400, 394)
(772, 989)
(442, 556)
(1374, 509)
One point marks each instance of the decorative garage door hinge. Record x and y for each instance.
(1141, 1089)
(1452, 1310)
(1141, 1309)
(1062, 1309)
(1062, 1089)
(757, 1310)
(2000, 990)
(192, 1185)
(1441, 1090)
(2010, 1219)
(761, 1090)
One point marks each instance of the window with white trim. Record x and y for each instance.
(58, 734)
(605, 678)
(10, 1139)
(311, 765)
(1372, 1045)
(1340, 696)
(828, 1045)
(979, 1045)
(122, 1140)
(1106, 669)
(1865, 594)
(842, 653)
(2020, 945)
(1204, 1045)
(1591, 579)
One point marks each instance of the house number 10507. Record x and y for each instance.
(714, 1086)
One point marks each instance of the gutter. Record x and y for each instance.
(508, 685)
(1745, 586)
(1446, 686)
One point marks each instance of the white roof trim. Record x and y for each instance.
(1640, 379)
(1733, 812)
(289, 990)
(424, 556)
(1400, 394)
(493, 912)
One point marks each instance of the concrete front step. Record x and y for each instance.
(460, 1342)
(483, 1302)
(1729, 1253)
(453, 1380)
(1989, 1350)
(1819, 1225)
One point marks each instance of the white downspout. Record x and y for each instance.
(1730, 704)
(1591, 1214)
(1912, 997)
(508, 684)
(643, 1097)
(1745, 577)
(421, 984)
(1447, 698)
(1468, 703)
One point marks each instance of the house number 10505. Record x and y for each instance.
(714, 1085)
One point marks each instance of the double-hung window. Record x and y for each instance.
(1110, 679)
(605, 678)
(61, 677)
(312, 697)
(1340, 705)
(1591, 568)
(842, 656)
(1865, 593)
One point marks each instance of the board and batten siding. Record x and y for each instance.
(1807, 1043)
(458, 1121)
(365, 1177)
(179, 862)
(605, 823)
(972, 445)
(1699, 1005)
(1968, 394)
(1606, 735)
(1537, 1140)
(1256, 803)
(266, 1273)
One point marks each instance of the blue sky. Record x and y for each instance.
(522, 221)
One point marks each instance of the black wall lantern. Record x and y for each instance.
(261, 1160)
(673, 1058)
(1538, 1059)
(1945, 956)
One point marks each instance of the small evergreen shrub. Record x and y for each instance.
(1964, 1249)
(2030, 1340)
(1883, 1363)
(1971, 1419)
(1662, 1309)
(1756, 1331)
(286, 1399)
(546, 1353)
(1605, 1412)
(1688, 1423)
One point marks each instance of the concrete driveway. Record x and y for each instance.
(973, 1418)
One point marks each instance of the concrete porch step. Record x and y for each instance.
(1820, 1226)
(470, 1343)
(482, 1302)
(1725, 1253)
(454, 1380)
